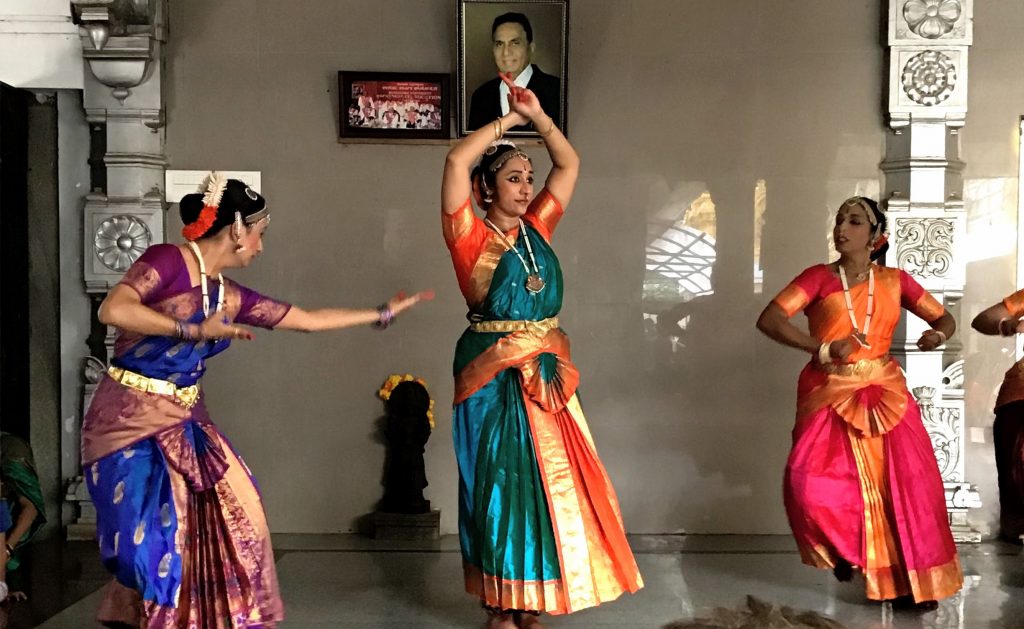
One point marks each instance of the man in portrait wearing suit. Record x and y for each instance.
(512, 45)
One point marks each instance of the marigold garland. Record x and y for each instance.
(394, 380)
(201, 225)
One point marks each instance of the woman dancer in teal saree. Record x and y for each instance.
(539, 522)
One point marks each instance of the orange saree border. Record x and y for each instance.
(933, 584)
(512, 350)
(848, 395)
(792, 299)
(884, 575)
(596, 561)
(479, 284)
(539, 596)
(928, 308)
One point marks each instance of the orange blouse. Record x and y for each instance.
(869, 392)
(476, 249)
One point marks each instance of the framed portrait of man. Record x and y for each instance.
(528, 39)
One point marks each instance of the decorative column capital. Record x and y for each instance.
(118, 40)
(921, 22)
(929, 42)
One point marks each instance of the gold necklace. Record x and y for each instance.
(534, 282)
(860, 276)
(861, 336)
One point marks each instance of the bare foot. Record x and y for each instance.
(843, 571)
(501, 621)
(529, 621)
(907, 603)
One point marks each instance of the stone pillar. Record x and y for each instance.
(929, 41)
(122, 44)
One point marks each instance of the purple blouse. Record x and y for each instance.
(161, 279)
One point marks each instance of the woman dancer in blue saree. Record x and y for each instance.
(180, 522)
(539, 522)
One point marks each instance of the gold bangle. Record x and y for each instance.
(550, 130)
(498, 129)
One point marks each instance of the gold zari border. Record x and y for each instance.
(534, 596)
(538, 327)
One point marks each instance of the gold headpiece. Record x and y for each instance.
(492, 148)
(859, 200)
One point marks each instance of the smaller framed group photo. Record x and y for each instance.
(528, 39)
(394, 105)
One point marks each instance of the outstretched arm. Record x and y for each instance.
(337, 318)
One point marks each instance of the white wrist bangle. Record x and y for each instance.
(942, 336)
(3, 591)
(824, 357)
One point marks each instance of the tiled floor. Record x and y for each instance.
(355, 583)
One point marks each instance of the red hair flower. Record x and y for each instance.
(201, 225)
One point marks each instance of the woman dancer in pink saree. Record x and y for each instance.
(862, 487)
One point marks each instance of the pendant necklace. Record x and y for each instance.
(860, 336)
(203, 283)
(534, 282)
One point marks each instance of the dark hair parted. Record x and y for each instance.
(238, 197)
(513, 18)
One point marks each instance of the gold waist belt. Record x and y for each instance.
(855, 369)
(186, 396)
(539, 327)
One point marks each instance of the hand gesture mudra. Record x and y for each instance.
(401, 301)
(930, 339)
(521, 100)
(1009, 326)
(218, 326)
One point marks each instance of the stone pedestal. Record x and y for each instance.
(407, 526)
(84, 525)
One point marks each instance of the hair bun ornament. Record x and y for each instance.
(212, 189)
